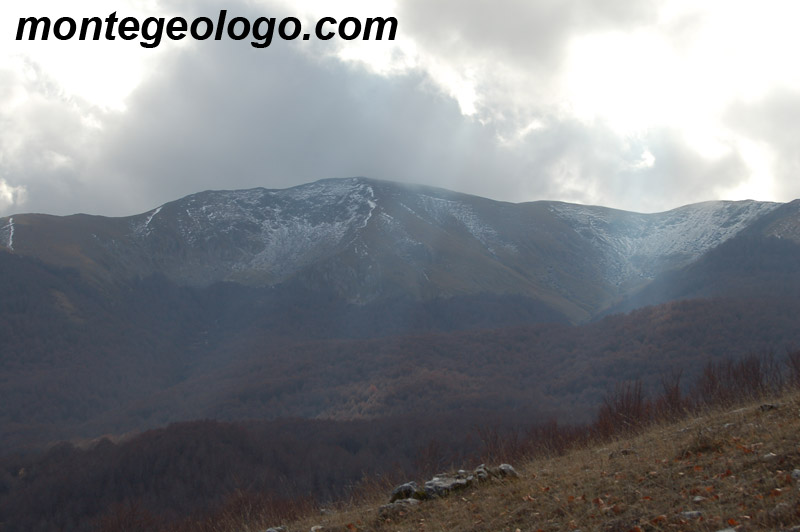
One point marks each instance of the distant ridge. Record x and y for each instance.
(368, 240)
(357, 298)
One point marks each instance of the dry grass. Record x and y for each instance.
(733, 467)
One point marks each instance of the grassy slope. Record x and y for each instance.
(734, 466)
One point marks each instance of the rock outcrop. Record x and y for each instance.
(410, 494)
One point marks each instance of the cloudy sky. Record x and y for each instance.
(635, 104)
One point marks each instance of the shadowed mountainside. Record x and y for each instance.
(358, 298)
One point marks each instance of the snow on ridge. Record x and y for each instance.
(9, 230)
(441, 208)
(788, 226)
(639, 245)
(698, 228)
(326, 189)
(314, 220)
(143, 229)
(372, 206)
(146, 227)
(270, 230)
(150, 218)
(281, 231)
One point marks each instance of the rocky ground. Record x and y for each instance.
(725, 470)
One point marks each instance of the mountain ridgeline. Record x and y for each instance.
(364, 241)
(361, 299)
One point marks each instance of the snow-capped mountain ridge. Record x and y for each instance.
(367, 240)
(639, 245)
(271, 235)
(275, 232)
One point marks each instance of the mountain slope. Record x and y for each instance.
(298, 302)
(367, 240)
(725, 469)
(762, 260)
(637, 247)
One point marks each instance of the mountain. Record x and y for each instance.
(762, 260)
(358, 298)
(367, 241)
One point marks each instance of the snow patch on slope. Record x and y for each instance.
(277, 232)
(444, 210)
(145, 228)
(641, 245)
(788, 226)
(7, 233)
(230, 235)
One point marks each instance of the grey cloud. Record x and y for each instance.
(291, 119)
(591, 164)
(225, 117)
(44, 142)
(774, 121)
(514, 50)
(515, 30)
(678, 176)
(222, 115)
